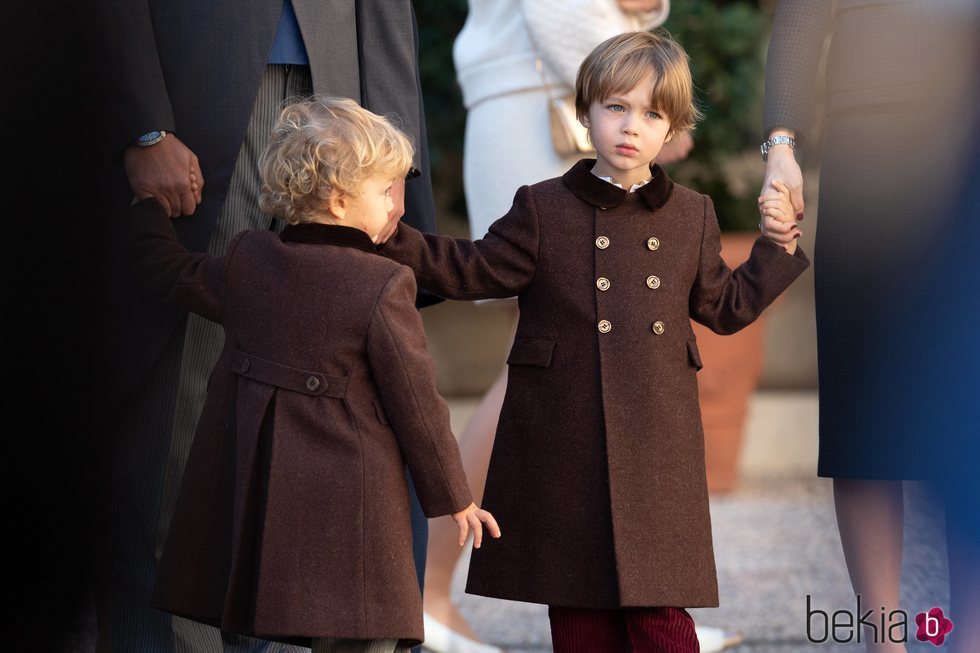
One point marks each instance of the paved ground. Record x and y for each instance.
(775, 543)
(775, 540)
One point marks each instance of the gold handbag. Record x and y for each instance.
(568, 135)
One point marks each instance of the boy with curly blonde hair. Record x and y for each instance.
(293, 517)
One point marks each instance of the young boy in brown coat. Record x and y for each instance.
(598, 463)
(293, 517)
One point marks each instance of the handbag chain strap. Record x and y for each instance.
(538, 60)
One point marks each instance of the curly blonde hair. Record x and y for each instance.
(324, 146)
(619, 64)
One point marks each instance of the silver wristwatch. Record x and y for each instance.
(776, 140)
(151, 138)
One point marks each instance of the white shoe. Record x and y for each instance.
(713, 640)
(440, 638)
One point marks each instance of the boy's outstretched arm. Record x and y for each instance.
(726, 301)
(776, 215)
(500, 264)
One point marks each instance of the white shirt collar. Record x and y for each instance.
(609, 180)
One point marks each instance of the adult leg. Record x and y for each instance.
(964, 592)
(475, 445)
(962, 503)
(141, 439)
(420, 535)
(576, 630)
(870, 517)
(661, 630)
(235, 643)
(340, 645)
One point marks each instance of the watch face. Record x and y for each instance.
(150, 138)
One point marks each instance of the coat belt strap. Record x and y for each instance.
(288, 378)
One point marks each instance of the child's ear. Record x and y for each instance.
(584, 120)
(337, 205)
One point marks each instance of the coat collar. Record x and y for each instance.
(313, 233)
(589, 188)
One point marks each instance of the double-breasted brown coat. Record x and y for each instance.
(293, 517)
(597, 473)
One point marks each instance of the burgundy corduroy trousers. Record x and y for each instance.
(636, 630)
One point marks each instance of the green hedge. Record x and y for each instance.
(727, 45)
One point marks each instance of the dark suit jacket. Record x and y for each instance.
(193, 67)
(597, 474)
(293, 516)
(881, 52)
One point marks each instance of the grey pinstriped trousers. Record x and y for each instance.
(336, 645)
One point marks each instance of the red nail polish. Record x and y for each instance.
(797, 234)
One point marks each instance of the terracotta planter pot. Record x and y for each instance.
(732, 368)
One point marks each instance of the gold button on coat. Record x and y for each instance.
(602, 283)
(653, 243)
(653, 281)
(605, 326)
(658, 327)
(602, 242)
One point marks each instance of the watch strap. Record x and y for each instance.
(776, 140)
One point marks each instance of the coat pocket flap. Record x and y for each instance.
(693, 355)
(531, 351)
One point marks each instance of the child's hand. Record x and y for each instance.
(473, 517)
(777, 217)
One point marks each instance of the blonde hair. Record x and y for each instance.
(323, 146)
(619, 64)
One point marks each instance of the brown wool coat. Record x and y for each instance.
(293, 517)
(597, 473)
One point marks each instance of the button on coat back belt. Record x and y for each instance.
(288, 378)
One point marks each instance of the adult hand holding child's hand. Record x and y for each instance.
(782, 166)
(777, 221)
(168, 171)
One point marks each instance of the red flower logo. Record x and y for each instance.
(933, 626)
